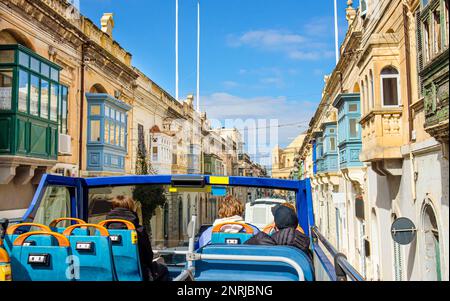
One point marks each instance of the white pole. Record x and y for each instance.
(176, 51)
(336, 30)
(198, 56)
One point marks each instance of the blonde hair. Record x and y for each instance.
(230, 206)
(289, 205)
(125, 202)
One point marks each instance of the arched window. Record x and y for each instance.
(390, 87)
(431, 246)
(368, 96)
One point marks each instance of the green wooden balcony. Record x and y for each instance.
(29, 104)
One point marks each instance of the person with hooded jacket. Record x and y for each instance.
(286, 232)
(124, 208)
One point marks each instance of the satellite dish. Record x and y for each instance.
(403, 231)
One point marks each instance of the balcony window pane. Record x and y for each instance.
(24, 59)
(45, 70)
(6, 56)
(54, 74)
(353, 108)
(332, 144)
(54, 102)
(6, 80)
(95, 110)
(117, 135)
(23, 91)
(112, 114)
(44, 98)
(111, 133)
(34, 64)
(122, 137)
(353, 128)
(34, 95)
(95, 130)
(122, 118)
(106, 131)
(64, 109)
(106, 111)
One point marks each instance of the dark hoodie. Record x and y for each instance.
(285, 237)
(144, 245)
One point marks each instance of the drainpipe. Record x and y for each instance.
(80, 145)
(408, 69)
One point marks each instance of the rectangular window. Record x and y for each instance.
(24, 59)
(122, 136)
(64, 109)
(23, 91)
(332, 144)
(106, 111)
(353, 108)
(427, 42)
(45, 70)
(353, 128)
(117, 135)
(155, 154)
(34, 95)
(111, 133)
(44, 98)
(390, 91)
(34, 64)
(95, 110)
(6, 81)
(106, 131)
(95, 131)
(437, 36)
(54, 102)
(446, 22)
(7, 57)
(54, 74)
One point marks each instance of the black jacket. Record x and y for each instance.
(144, 244)
(286, 237)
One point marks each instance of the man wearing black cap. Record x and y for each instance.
(287, 233)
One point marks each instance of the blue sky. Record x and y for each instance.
(259, 58)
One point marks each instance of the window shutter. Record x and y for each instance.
(419, 47)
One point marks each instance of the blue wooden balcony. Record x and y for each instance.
(349, 128)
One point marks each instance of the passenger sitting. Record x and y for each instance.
(124, 208)
(286, 232)
(271, 229)
(230, 210)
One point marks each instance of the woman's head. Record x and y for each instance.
(125, 202)
(230, 206)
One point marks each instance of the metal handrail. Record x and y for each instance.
(343, 268)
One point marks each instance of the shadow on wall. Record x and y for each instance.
(387, 190)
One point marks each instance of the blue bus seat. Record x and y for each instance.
(54, 226)
(219, 237)
(40, 262)
(93, 253)
(125, 250)
(16, 230)
(226, 270)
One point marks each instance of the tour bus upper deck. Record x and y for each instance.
(88, 199)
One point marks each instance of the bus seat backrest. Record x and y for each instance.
(93, 254)
(125, 251)
(219, 237)
(224, 270)
(40, 262)
(15, 231)
(56, 226)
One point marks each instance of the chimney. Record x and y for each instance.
(107, 22)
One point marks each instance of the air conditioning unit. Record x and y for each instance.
(363, 8)
(65, 145)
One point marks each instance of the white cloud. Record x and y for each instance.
(294, 46)
(223, 106)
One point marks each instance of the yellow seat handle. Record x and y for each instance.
(128, 224)
(103, 231)
(65, 219)
(62, 240)
(12, 229)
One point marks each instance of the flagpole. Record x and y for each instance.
(336, 30)
(176, 51)
(198, 56)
